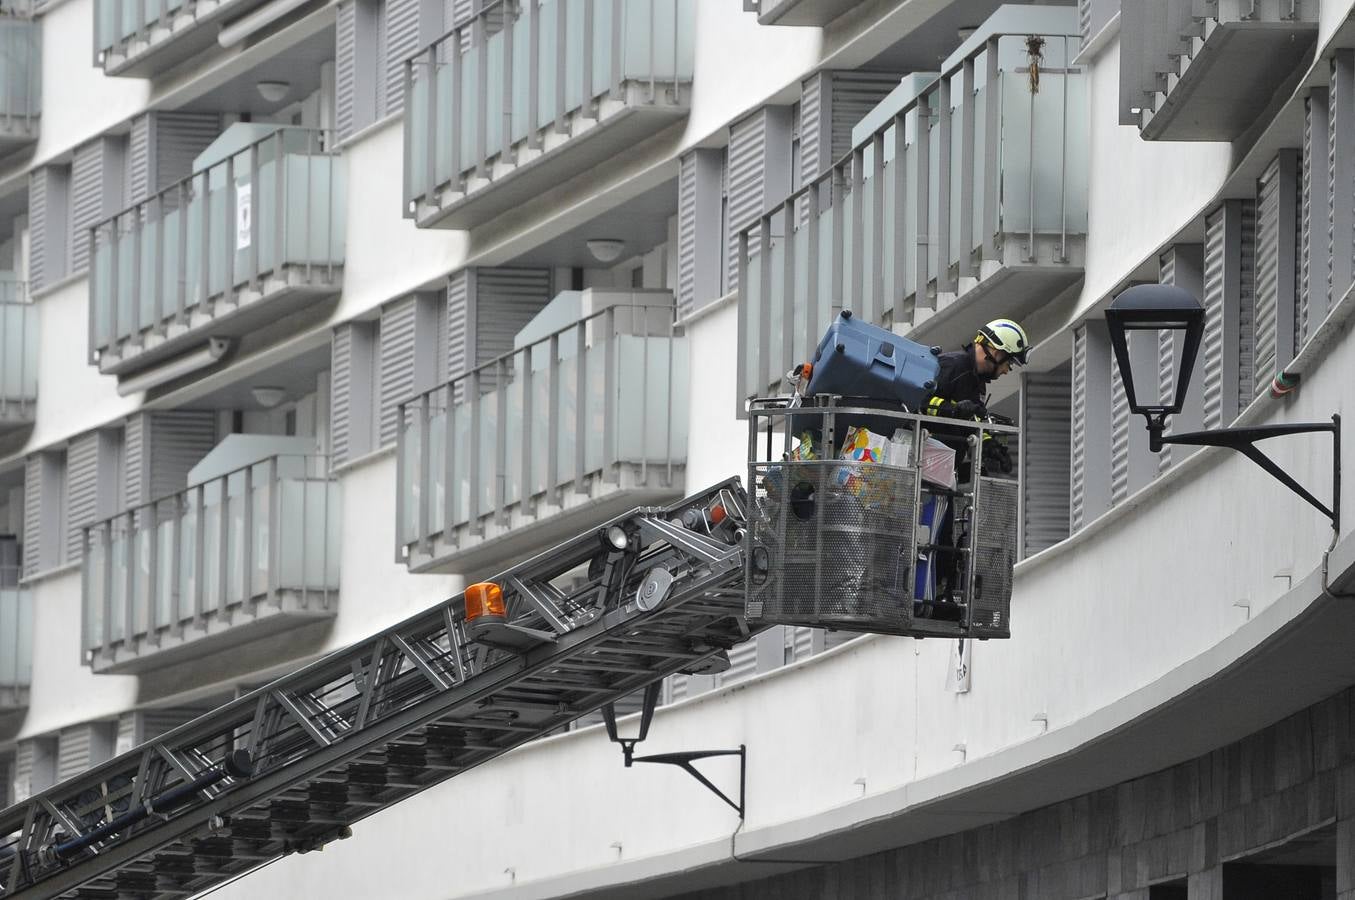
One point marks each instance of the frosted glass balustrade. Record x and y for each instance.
(18, 349)
(872, 236)
(584, 50)
(605, 391)
(227, 545)
(16, 634)
(20, 74)
(274, 212)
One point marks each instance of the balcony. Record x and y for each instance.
(20, 79)
(256, 233)
(1206, 71)
(146, 38)
(16, 641)
(798, 12)
(18, 355)
(586, 418)
(967, 186)
(246, 554)
(527, 95)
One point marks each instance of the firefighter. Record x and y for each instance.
(962, 383)
(961, 393)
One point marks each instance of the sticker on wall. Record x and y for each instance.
(958, 672)
(243, 214)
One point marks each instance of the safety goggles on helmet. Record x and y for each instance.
(1007, 336)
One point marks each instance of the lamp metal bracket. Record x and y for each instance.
(682, 759)
(1243, 440)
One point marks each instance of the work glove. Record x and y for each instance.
(996, 457)
(970, 409)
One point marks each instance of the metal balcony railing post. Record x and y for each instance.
(480, 41)
(965, 252)
(457, 183)
(943, 147)
(281, 212)
(176, 565)
(1030, 175)
(553, 436)
(506, 155)
(898, 287)
(561, 69)
(580, 405)
(528, 442)
(867, 310)
(789, 283)
(274, 528)
(155, 212)
(153, 578)
(112, 297)
(765, 300)
(991, 128)
(588, 109)
(302, 572)
(533, 73)
(614, 91)
(500, 481)
(451, 485)
(743, 363)
(205, 266)
(199, 555)
(129, 582)
(1063, 154)
(644, 395)
(253, 218)
(610, 461)
(230, 237)
(402, 481)
(223, 546)
(106, 538)
(137, 228)
(812, 238)
(182, 263)
(877, 303)
(653, 75)
(923, 206)
(668, 405)
(473, 452)
(247, 551)
(839, 251)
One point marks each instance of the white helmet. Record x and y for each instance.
(1005, 335)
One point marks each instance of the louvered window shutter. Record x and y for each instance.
(815, 126)
(345, 68)
(1119, 437)
(48, 225)
(402, 41)
(1227, 268)
(35, 766)
(1246, 305)
(33, 516)
(699, 205)
(136, 478)
(82, 491)
(742, 663)
(381, 20)
(1046, 415)
(1314, 291)
(505, 301)
(852, 96)
(396, 336)
(139, 159)
(96, 193)
(1276, 201)
(178, 441)
(353, 391)
(460, 323)
(1341, 173)
(1181, 265)
(83, 746)
(178, 139)
(759, 174)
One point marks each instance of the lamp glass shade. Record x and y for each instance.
(1155, 308)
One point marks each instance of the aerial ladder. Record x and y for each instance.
(661, 590)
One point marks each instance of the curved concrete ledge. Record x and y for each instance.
(1238, 686)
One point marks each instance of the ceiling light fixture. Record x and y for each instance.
(268, 397)
(273, 91)
(605, 250)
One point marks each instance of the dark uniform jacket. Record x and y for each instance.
(959, 377)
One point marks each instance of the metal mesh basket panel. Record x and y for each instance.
(831, 545)
(994, 543)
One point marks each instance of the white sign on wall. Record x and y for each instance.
(958, 673)
(244, 215)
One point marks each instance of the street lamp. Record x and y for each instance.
(1164, 307)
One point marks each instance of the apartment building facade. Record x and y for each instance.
(312, 312)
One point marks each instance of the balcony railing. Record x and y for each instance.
(16, 640)
(253, 552)
(144, 38)
(592, 415)
(976, 186)
(1205, 70)
(18, 355)
(200, 257)
(523, 83)
(798, 12)
(20, 78)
